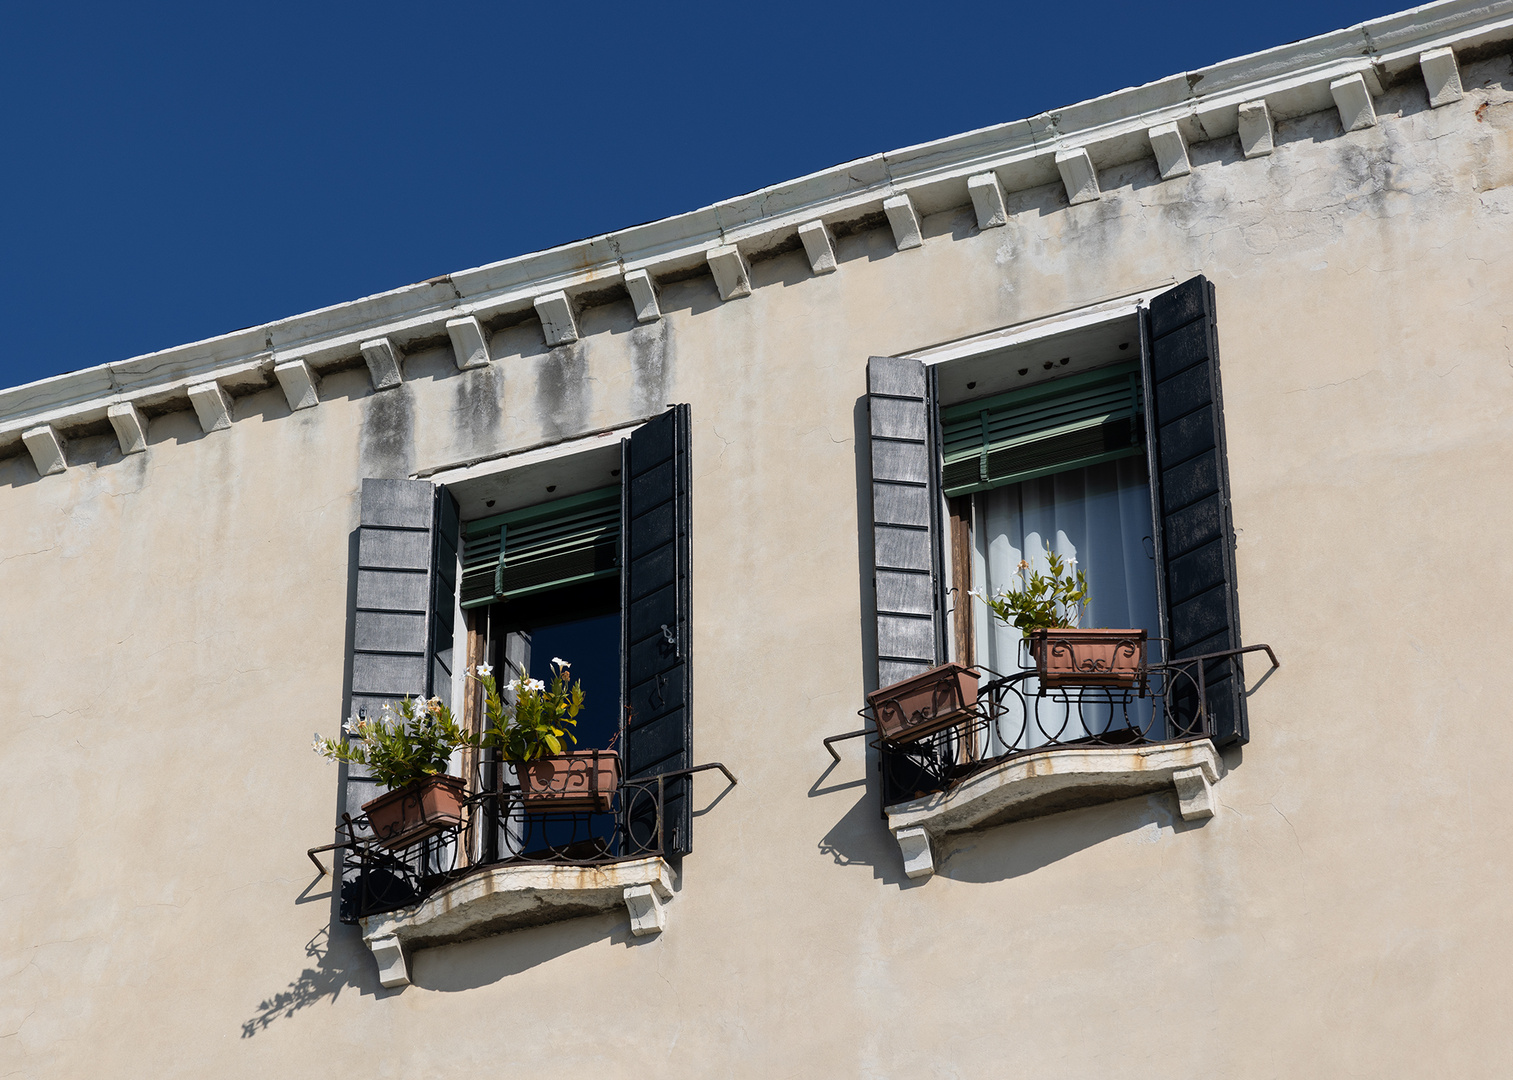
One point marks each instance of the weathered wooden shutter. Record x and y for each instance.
(402, 639)
(906, 525)
(655, 585)
(1039, 430)
(907, 537)
(1195, 537)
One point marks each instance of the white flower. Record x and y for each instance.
(535, 685)
(557, 661)
(485, 670)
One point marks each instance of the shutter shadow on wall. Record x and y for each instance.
(1189, 470)
(656, 507)
(906, 541)
(402, 643)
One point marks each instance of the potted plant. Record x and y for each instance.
(534, 731)
(406, 750)
(925, 703)
(1047, 608)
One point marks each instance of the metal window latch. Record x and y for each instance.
(668, 635)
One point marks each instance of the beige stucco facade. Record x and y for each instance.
(176, 625)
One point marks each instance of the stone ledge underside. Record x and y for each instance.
(514, 897)
(1050, 781)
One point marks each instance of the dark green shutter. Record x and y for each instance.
(1195, 538)
(547, 546)
(655, 614)
(1051, 427)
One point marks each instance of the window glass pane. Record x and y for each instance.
(1099, 515)
(592, 646)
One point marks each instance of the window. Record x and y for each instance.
(1120, 463)
(601, 576)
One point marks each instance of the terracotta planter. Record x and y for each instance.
(578, 780)
(925, 703)
(1067, 657)
(406, 815)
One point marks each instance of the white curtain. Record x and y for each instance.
(1099, 515)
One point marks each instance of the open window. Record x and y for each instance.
(1098, 436)
(583, 553)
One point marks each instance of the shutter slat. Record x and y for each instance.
(1195, 536)
(655, 583)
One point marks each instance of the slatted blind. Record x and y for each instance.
(558, 543)
(1043, 429)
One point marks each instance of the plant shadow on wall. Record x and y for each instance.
(337, 960)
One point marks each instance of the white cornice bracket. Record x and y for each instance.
(905, 222)
(643, 295)
(987, 200)
(1078, 174)
(1353, 99)
(731, 275)
(819, 245)
(298, 383)
(131, 429)
(1441, 76)
(211, 405)
(559, 324)
(384, 363)
(1171, 151)
(46, 449)
(470, 345)
(1257, 137)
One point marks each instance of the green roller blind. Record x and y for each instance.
(1048, 428)
(562, 542)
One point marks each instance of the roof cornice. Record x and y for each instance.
(1070, 143)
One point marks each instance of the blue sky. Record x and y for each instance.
(178, 171)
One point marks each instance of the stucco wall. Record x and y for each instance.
(175, 626)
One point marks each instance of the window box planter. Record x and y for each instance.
(1070, 657)
(405, 815)
(925, 703)
(574, 781)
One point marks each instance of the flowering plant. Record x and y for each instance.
(1042, 601)
(539, 721)
(401, 745)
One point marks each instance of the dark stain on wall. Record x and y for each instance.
(476, 410)
(388, 434)
(562, 391)
(650, 368)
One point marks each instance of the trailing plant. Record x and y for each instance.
(401, 745)
(539, 721)
(1040, 601)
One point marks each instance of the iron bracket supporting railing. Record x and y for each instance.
(841, 738)
(697, 768)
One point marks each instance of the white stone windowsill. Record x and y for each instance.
(1045, 781)
(508, 897)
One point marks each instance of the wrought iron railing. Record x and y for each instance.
(1015, 714)
(497, 828)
